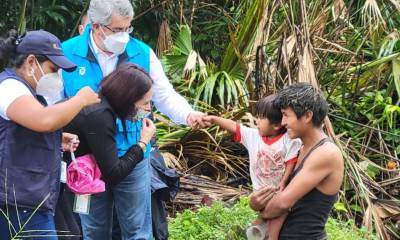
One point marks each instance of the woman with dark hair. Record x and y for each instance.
(125, 94)
(30, 139)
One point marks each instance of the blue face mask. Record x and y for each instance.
(141, 114)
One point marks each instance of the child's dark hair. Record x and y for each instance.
(265, 109)
(303, 97)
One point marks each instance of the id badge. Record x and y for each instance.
(63, 174)
(82, 204)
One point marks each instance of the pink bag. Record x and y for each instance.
(83, 175)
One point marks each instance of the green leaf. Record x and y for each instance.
(221, 91)
(372, 171)
(356, 208)
(339, 206)
(184, 40)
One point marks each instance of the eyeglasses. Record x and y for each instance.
(117, 30)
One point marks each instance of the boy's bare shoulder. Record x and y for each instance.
(328, 153)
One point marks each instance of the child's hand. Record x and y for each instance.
(208, 120)
(260, 198)
(195, 120)
(281, 186)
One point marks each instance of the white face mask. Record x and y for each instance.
(49, 85)
(116, 43)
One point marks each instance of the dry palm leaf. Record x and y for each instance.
(260, 37)
(340, 9)
(396, 3)
(372, 218)
(194, 188)
(306, 67)
(387, 209)
(174, 162)
(371, 14)
(287, 50)
(164, 41)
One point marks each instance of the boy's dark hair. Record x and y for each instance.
(265, 109)
(303, 97)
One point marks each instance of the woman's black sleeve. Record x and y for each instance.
(99, 131)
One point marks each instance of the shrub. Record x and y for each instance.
(220, 222)
(215, 222)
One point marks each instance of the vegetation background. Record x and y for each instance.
(225, 54)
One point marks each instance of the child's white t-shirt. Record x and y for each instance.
(268, 157)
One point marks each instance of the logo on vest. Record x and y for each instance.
(82, 71)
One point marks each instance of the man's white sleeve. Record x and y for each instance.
(165, 98)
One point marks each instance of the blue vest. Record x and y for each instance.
(30, 162)
(88, 73)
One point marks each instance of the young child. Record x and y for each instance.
(272, 153)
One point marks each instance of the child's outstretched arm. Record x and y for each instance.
(226, 124)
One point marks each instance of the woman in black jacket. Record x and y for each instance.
(125, 94)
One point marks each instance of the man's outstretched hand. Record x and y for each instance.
(195, 120)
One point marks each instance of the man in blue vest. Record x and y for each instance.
(104, 45)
